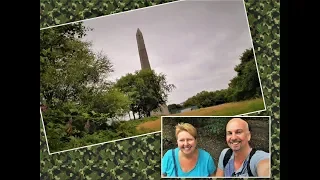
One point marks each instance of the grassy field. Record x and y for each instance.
(227, 109)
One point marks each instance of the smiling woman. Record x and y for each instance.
(187, 160)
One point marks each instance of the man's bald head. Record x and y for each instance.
(239, 123)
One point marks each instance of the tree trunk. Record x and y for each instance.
(134, 116)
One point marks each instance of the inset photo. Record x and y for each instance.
(215, 146)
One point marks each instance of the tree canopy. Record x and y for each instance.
(146, 89)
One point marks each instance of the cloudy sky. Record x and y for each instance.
(196, 44)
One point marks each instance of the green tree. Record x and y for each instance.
(127, 84)
(74, 86)
(207, 98)
(68, 67)
(146, 90)
(246, 84)
(192, 101)
(112, 102)
(173, 108)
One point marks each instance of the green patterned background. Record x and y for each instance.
(139, 158)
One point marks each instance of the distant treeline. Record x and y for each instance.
(244, 86)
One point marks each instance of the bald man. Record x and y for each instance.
(238, 136)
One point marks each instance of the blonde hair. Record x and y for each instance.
(186, 127)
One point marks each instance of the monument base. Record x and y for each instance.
(162, 111)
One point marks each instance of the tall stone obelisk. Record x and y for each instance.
(144, 60)
(145, 64)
